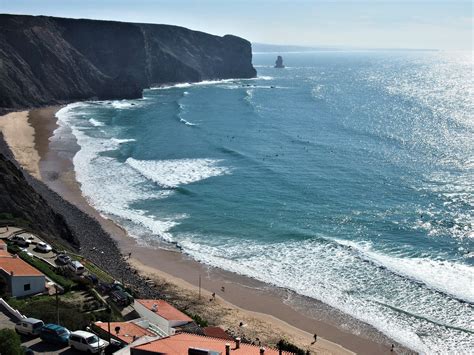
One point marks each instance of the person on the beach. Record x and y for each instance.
(223, 289)
(315, 336)
(391, 349)
(213, 296)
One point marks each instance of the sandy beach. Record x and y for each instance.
(267, 312)
(20, 137)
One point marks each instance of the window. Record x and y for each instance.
(26, 287)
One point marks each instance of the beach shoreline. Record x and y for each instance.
(251, 297)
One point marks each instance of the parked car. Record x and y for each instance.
(121, 298)
(85, 341)
(53, 333)
(20, 241)
(92, 279)
(76, 267)
(63, 259)
(29, 326)
(43, 247)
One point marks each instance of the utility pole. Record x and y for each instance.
(109, 312)
(57, 303)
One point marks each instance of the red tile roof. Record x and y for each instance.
(18, 267)
(128, 333)
(165, 310)
(216, 332)
(2, 242)
(180, 343)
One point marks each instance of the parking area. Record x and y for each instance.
(40, 347)
(32, 248)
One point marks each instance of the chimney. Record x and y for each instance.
(262, 350)
(227, 349)
(237, 343)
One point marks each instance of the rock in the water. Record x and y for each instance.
(279, 62)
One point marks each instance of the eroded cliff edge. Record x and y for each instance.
(50, 60)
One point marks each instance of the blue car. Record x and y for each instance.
(53, 333)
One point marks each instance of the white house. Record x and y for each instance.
(3, 249)
(19, 277)
(161, 313)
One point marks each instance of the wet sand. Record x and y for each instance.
(268, 311)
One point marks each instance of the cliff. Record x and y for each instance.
(22, 205)
(50, 60)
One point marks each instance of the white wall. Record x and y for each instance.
(154, 318)
(37, 285)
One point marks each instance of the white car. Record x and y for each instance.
(76, 267)
(29, 326)
(85, 341)
(43, 247)
(63, 259)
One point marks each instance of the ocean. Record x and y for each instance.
(347, 177)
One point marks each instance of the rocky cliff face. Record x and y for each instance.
(48, 60)
(22, 205)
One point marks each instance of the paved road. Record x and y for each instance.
(6, 321)
(40, 347)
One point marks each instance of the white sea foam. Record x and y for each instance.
(176, 172)
(122, 140)
(101, 177)
(187, 123)
(96, 123)
(338, 276)
(122, 104)
(436, 274)
(207, 83)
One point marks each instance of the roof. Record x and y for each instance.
(4, 253)
(82, 333)
(216, 332)
(128, 331)
(53, 326)
(2, 242)
(165, 310)
(18, 267)
(30, 320)
(179, 344)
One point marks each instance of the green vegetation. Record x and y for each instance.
(10, 343)
(198, 319)
(287, 346)
(94, 269)
(48, 271)
(11, 220)
(76, 309)
(6, 216)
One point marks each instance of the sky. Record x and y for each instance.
(434, 24)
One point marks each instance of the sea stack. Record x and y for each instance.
(279, 62)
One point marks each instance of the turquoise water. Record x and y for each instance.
(347, 177)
